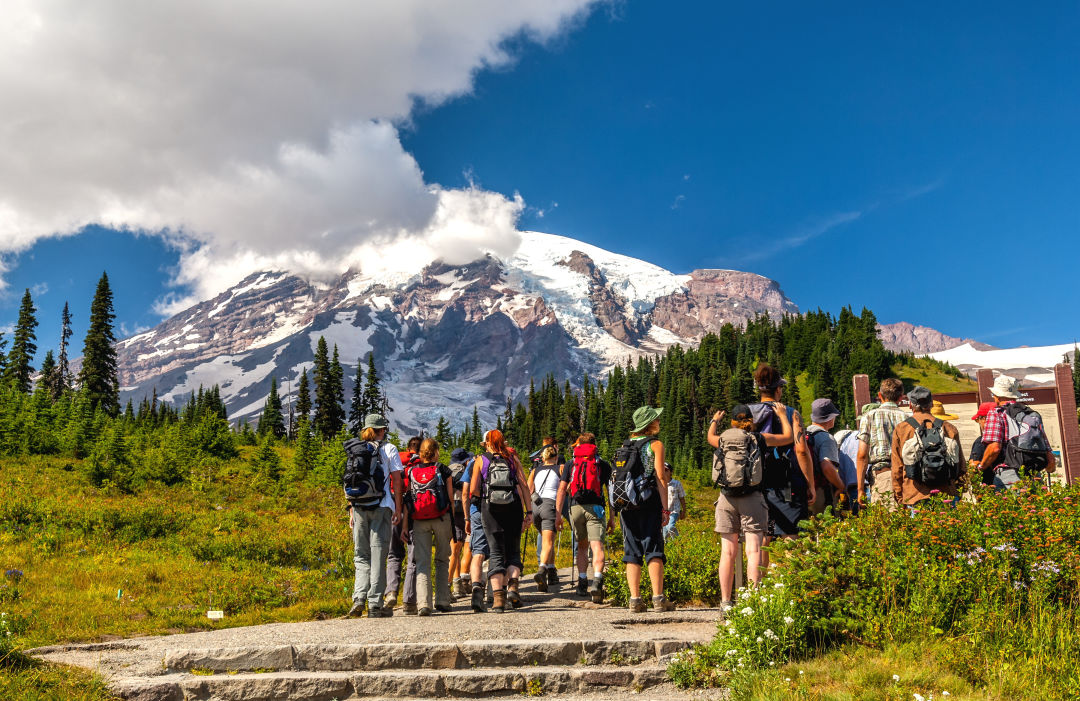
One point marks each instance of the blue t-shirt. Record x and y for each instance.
(466, 478)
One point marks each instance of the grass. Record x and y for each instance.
(922, 371)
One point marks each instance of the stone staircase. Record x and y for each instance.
(405, 670)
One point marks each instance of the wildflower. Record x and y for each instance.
(800, 671)
(770, 634)
(945, 693)
(788, 620)
(747, 611)
(759, 640)
(896, 677)
(918, 697)
(731, 653)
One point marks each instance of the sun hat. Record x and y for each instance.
(939, 412)
(376, 421)
(644, 416)
(1005, 387)
(822, 410)
(460, 455)
(984, 410)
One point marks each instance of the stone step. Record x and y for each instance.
(342, 686)
(435, 655)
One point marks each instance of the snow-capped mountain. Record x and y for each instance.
(1034, 365)
(445, 338)
(921, 340)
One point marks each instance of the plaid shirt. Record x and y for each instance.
(996, 428)
(876, 430)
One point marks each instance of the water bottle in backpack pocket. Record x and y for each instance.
(930, 457)
(631, 485)
(426, 492)
(500, 485)
(737, 463)
(364, 479)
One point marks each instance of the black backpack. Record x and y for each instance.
(365, 478)
(1025, 446)
(631, 483)
(781, 466)
(929, 456)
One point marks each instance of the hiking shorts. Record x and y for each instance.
(458, 525)
(478, 541)
(742, 514)
(784, 514)
(643, 534)
(588, 522)
(544, 515)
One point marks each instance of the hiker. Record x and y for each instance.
(544, 487)
(373, 489)
(676, 499)
(926, 454)
(789, 470)
(978, 448)
(639, 491)
(847, 443)
(459, 546)
(1016, 442)
(830, 488)
(430, 494)
(499, 483)
(875, 443)
(537, 461)
(401, 549)
(738, 470)
(582, 487)
(478, 545)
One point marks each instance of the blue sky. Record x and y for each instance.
(919, 159)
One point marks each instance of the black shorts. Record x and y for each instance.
(544, 515)
(784, 513)
(459, 526)
(643, 533)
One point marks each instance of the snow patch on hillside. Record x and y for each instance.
(1005, 358)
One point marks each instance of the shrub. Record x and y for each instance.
(689, 574)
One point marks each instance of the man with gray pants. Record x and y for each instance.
(372, 523)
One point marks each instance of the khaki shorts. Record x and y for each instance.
(586, 524)
(745, 514)
(881, 491)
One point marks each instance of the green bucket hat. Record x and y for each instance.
(376, 421)
(645, 416)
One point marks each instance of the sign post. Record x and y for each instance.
(1070, 431)
(861, 385)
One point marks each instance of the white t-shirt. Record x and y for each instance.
(675, 492)
(391, 462)
(546, 481)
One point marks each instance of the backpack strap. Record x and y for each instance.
(938, 423)
(914, 424)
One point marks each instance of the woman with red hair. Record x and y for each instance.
(499, 484)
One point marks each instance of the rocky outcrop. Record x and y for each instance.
(713, 298)
(903, 337)
(609, 307)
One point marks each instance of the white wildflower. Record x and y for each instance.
(747, 611)
(896, 677)
(788, 620)
(918, 697)
(759, 639)
(770, 634)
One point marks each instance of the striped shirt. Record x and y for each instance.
(876, 430)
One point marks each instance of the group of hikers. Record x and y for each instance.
(773, 472)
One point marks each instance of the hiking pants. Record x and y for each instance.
(502, 526)
(398, 554)
(432, 532)
(371, 539)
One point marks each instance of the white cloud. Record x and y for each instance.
(253, 133)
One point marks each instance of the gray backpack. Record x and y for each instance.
(737, 463)
(500, 487)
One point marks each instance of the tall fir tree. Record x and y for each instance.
(372, 396)
(98, 376)
(272, 420)
(442, 432)
(18, 369)
(357, 408)
(62, 382)
(303, 397)
(337, 378)
(322, 422)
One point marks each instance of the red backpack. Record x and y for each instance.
(586, 474)
(425, 490)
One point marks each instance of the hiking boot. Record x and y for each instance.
(553, 576)
(357, 609)
(425, 611)
(390, 601)
(378, 612)
(443, 608)
(541, 580)
(726, 606)
(464, 587)
(597, 591)
(582, 586)
(408, 609)
(498, 604)
(478, 599)
(637, 605)
(660, 604)
(512, 594)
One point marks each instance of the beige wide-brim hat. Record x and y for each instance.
(938, 412)
(1005, 387)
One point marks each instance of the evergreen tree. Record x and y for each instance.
(357, 409)
(266, 461)
(323, 422)
(303, 461)
(62, 378)
(303, 397)
(18, 368)
(272, 421)
(99, 370)
(337, 379)
(442, 432)
(48, 373)
(373, 400)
